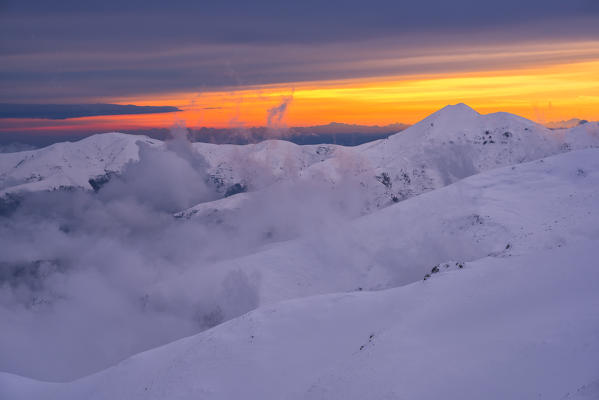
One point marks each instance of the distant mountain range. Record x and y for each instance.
(449, 145)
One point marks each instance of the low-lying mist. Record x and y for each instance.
(76, 266)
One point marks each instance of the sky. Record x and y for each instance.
(238, 64)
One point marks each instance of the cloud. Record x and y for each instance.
(269, 22)
(186, 47)
(65, 111)
(276, 115)
(14, 147)
(86, 277)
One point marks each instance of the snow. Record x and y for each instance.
(216, 207)
(471, 273)
(511, 327)
(67, 165)
(470, 219)
(581, 136)
(453, 143)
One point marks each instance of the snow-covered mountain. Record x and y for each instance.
(513, 317)
(69, 165)
(474, 218)
(93, 160)
(449, 145)
(456, 259)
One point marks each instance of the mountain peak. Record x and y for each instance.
(450, 116)
(459, 108)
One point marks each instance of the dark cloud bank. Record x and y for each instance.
(80, 51)
(65, 111)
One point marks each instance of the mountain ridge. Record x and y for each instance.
(455, 125)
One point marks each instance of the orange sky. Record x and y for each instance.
(544, 93)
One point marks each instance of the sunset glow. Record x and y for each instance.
(390, 79)
(542, 94)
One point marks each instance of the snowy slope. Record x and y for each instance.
(451, 144)
(506, 212)
(216, 209)
(261, 164)
(581, 136)
(544, 204)
(517, 327)
(514, 215)
(72, 165)
(67, 165)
